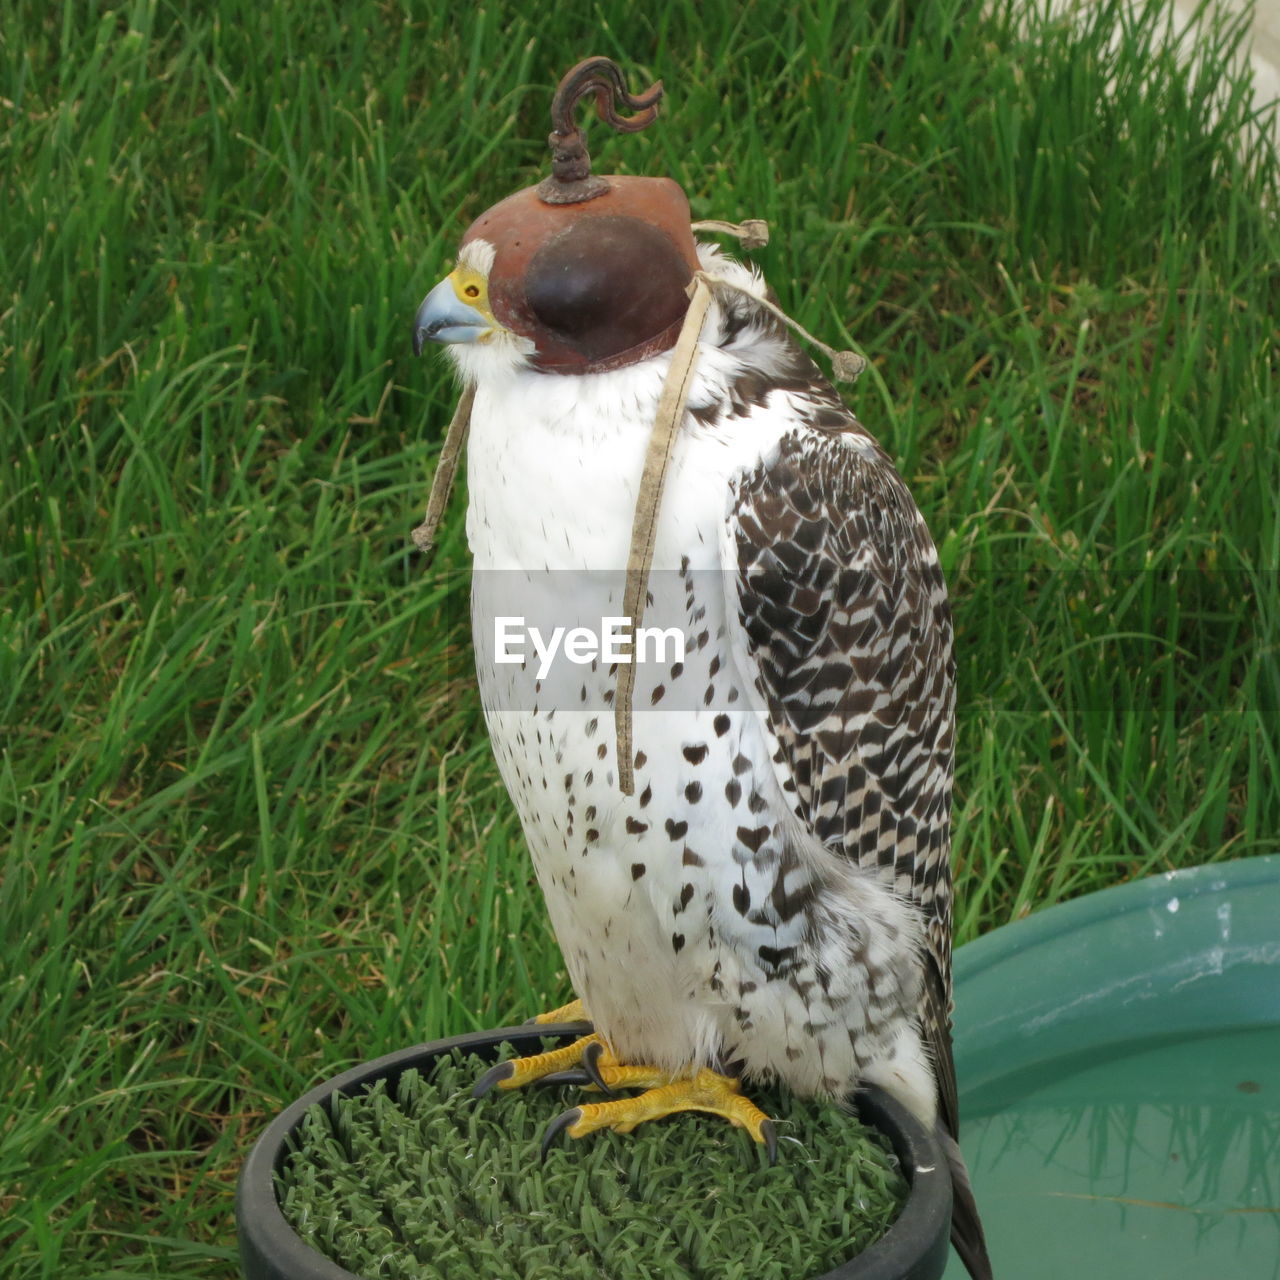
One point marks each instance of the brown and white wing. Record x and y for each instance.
(845, 617)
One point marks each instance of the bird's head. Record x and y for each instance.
(580, 274)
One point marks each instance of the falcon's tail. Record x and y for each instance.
(966, 1227)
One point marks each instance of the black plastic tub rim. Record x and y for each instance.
(915, 1247)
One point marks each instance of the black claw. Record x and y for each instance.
(574, 1075)
(500, 1071)
(770, 1141)
(562, 1122)
(591, 1056)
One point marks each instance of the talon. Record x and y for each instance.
(591, 1056)
(769, 1137)
(576, 1076)
(565, 1120)
(495, 1075)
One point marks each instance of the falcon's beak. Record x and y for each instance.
(444, 317)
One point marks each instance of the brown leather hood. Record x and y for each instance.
(598, 284)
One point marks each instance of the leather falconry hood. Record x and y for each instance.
(595, 269)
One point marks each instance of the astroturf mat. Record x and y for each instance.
(419, 1182)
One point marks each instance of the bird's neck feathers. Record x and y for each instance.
(741, 338)
(499, 359)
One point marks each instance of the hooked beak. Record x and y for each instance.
(444, 317)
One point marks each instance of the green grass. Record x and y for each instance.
(252, 830)
(420, 1183)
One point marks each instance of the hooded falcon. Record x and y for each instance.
(749, 879)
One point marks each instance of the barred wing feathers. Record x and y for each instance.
(844, 612)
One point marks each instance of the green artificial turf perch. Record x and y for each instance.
(421, 1182)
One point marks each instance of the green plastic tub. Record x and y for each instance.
(1119, 1058)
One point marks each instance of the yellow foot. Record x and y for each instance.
(590, 1062)
(571, 1012)
(706, 1091)
(554, 1067)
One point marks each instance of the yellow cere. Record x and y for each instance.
(473, 289)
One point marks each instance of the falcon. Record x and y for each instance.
(749, 880)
